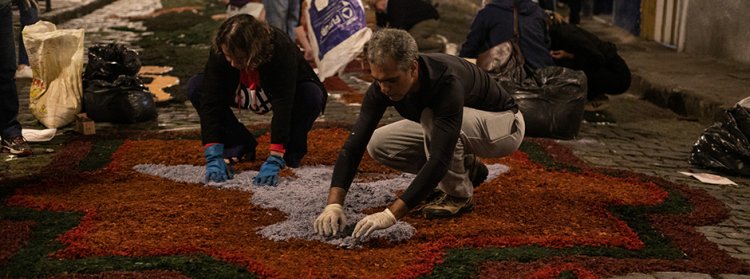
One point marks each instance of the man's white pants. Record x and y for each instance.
(404, 145)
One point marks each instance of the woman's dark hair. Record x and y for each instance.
(243, 33)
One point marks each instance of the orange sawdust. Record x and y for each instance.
(131, 214)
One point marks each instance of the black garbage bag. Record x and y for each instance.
(551, 100)
(125, 100)
(109, 61)
(724, 146)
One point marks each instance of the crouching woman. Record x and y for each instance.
(255, 66)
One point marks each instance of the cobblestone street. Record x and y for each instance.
(643, 138)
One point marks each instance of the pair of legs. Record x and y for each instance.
(404, 145)
(28, 16)
(283, 14)
(10, 128)
(251, 8)
(575, 11)
(613, 78)
(9, 125)
(239, 142)
(424, 33)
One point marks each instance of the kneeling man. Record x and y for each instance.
(454, 112)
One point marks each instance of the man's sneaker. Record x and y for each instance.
(432, 198)
(448, 206)
(477, 170)
(16, 145)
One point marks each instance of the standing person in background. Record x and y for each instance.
(493, 25)
(418, 17)
(29, 14)
(283, 14)
(301, 32)
(255, 66)
(10, 128)
(574, 15)
(250, 7)
(547, 4)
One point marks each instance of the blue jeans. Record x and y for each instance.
(28, 16)
(9, 126)
(283, 14)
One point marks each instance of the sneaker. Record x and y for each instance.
(598, 103)
(16, 146)
(448, 206)
(477, 170)
(23, 72)
(432, 198)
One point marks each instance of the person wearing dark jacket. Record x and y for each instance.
(418, 17)
(606, 72)
(493, 25)
(10, 129)
(454, 112)
(255, 66)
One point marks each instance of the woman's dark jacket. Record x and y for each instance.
(279, 78)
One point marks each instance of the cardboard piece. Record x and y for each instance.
(85, 125)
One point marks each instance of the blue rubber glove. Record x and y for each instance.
(216, 168)
(269, 171)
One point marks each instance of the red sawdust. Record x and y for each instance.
(534, 270)
(358, 65)
(343, 91)
(553, 271)
(118, 275)
(13, 236)
(352, 98)
(67, 159)
(130, 214)
(335, 83)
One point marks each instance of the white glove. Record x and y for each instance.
(330, 221)
(372, 222)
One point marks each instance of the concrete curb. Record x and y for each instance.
(695, 86)
(686, 102)
(58, 16)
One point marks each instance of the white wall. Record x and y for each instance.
(719, 28)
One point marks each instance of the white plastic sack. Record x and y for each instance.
(56, 58)
(339, 33)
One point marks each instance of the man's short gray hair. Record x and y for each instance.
(392, 43)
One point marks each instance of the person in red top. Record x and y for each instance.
(255, 66)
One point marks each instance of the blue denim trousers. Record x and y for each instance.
(9, 126)
(283, 14)
(28, 16)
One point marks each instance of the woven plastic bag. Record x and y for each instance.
(56, 60)
(339, 33)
